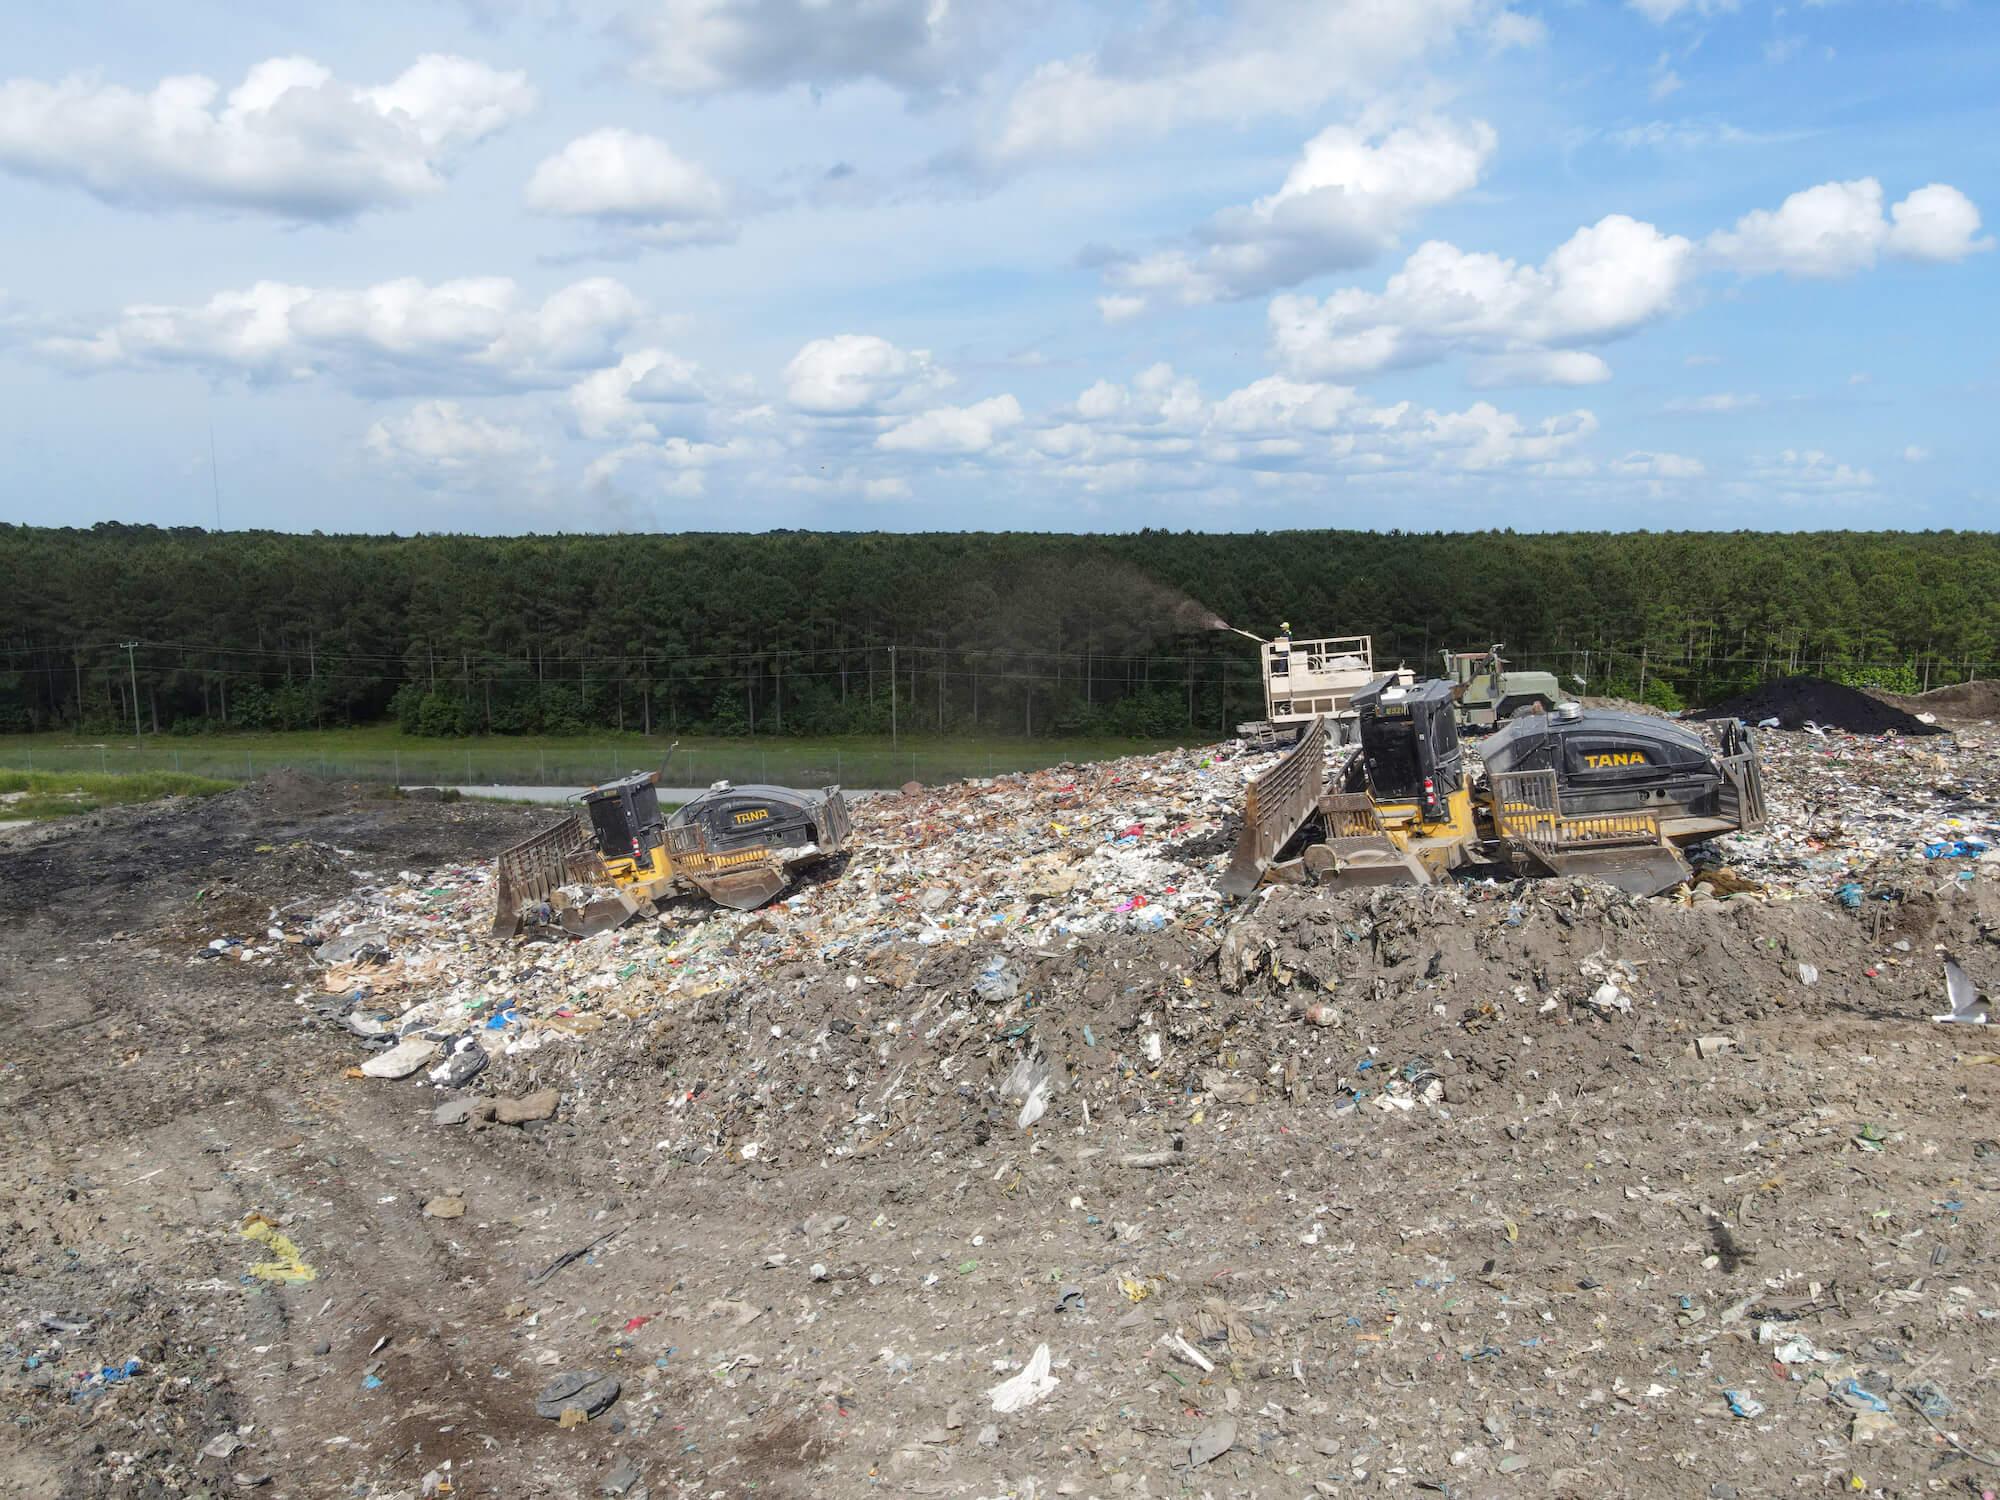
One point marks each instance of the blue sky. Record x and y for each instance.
(944, 264)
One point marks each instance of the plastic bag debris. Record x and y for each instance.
(403, 1059)
(997, 982)
(1743, 1404)
(1214, 1440)
(1029, 1083)
(286, 1263)
(1030, 1385)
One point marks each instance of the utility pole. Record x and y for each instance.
(892, 697)
(132, 666)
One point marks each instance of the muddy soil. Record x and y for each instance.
(1500, 1189)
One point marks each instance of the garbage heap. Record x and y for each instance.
(994, 951)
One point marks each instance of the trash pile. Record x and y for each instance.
(1846, 808)
(1014, 866)
(1030, 944)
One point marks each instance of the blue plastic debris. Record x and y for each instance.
(371, 1382)
(1852, 1392)
(501, 1019)
(1931, 1401)
(1850, 895)
(1743, 1404)
(1955, 849)
(113, 1374)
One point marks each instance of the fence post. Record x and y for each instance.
(836, 767)
(396, 766)
(468, 767)
(248, 774)
(177, 762)
(103, 762)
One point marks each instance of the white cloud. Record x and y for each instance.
(289, 140)
(475, 333)
(677, 467)
(438, 444)
(1691, 135)
(1258, 60)
(1604, 281)
(1482, 437)
(858, 374)
(1802, 472)
(636, 185)
(1346, 200)
(631, 399)
(1915, 455)
(876, 487)
(711, 46)
(1529, 324)
(1717, 403)
(1838, 228)
(1160, 432)
(1666, 81)
(1659, 12)
(1539, 367)
(1659, 466)
(953, 429)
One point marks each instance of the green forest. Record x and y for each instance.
(798, 633)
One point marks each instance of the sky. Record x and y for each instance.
(665, 265)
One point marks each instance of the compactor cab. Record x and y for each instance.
(1410, 751)
(1404, 812)
(625, 818)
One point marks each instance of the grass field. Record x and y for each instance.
(384, 753)
(62, 794)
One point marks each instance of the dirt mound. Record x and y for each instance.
(1959, 701)
(293, 793)
(1792, 701)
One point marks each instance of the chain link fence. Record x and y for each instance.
(501, 766)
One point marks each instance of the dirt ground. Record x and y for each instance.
(1489, 1190)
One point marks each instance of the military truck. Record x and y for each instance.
(1488, 695)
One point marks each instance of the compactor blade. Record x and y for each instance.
(745, 888)
(528, 873)
(1365, 861)
(1640, 869)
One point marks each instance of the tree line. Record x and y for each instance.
(802, 633)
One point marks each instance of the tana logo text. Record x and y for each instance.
(755, 815)
(1605, 760)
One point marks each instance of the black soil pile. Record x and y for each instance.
(1793, 701)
